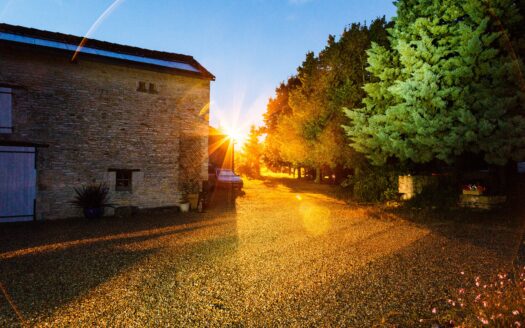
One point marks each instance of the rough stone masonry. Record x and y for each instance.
(96, 117)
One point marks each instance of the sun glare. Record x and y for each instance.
(235, 134)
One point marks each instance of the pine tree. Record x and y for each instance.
(447, 87)
(252, 154)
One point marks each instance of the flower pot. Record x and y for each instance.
(93, 212)
(194, 200)
(184, 207)
(472, 192)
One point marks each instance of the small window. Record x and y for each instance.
(142, 87)
(6, 110)
(152, 88)
(123, 180)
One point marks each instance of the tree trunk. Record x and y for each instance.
(299, 172)
(318, 177)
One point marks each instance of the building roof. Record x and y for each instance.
(84, 48)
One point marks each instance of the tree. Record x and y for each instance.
(276, 109)
(251, 163)
(303, 122)
(447, 87)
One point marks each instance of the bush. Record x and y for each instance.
(373, 184)
(443, 194)
(92, 196)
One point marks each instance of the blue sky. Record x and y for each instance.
(250, 45)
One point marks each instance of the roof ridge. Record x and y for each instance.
(103, 45)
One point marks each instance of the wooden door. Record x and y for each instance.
(17, 183)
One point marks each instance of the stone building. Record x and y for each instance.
(77, 111)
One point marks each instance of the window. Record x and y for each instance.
(152, 88)
(142, 87)
(6, 109)
(147, 87)
(123, 180)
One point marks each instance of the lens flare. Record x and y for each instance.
(316, 218)
(95, 25)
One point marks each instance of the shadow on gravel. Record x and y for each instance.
(42, 280)
(496, 230)
(33, 234)
(15, 236)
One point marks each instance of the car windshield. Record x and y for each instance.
(227, 173)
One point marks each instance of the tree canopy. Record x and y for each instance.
(449, 84)
(303, 123)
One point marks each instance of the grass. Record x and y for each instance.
(289, 253)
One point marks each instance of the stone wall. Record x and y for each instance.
(411, 185)
(93, 119)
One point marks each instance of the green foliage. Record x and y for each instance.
(277, 110)
(92, 196)
(449, 84)
(373, 185)
(251, 155)
(444, 194)
(304, 121)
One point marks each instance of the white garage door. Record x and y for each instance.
(17, 183)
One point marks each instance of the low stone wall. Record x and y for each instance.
(411, 185)
(481, 201)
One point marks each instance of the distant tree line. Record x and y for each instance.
(303, 122)
(441, 84)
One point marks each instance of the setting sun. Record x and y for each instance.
(235, 133)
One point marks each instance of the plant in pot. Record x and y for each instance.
(92, 199)
(193, 194)
(184, 201)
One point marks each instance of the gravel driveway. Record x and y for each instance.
(288, 254)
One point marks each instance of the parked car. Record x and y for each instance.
(225, 178)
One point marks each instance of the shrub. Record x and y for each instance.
(442, 194)
(92, 196)
(373, 184)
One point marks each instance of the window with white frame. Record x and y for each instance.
(6, 110)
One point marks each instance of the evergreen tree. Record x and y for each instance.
(252, 154)
(447, 87)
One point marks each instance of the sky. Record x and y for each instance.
(249, 45)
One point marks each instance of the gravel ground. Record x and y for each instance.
(288, 254)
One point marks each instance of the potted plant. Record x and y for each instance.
(193, 194)
(92, 199)
(474, 189)
(190, 195)
(184, 202)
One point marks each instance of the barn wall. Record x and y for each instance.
(93, 119)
